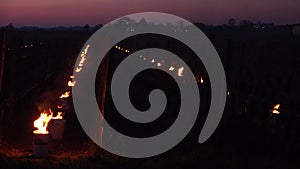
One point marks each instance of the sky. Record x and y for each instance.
(49, 13)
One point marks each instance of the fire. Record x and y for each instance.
(171, 68)
(275, 110)
(42, 122)
(59, 116)
(65, 95)
(201, 80)
(72, 76)
(82, 60)
(78, 69)
(71, 84)
(180, 71)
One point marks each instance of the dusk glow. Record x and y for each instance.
(68, 12)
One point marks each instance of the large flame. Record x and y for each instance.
(65, 95)
(275, 110)
(42, 122)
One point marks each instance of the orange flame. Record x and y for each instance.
(65, 95)
(71, 84)
(42, 122)
(59, 116)
(275, 110)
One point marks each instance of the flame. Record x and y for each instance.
(201, 80)
(275, 110)
(71, 84)
(171, 68)
(180, 71)
(82, 60)
(59, 116)
(65, 95)
(72, 76)
(42, 122)
(78, 69)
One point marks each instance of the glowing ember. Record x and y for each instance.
(59, 107)
(71, 84)
(275, 110)
(42, 122)
(65, 95)
(171, 68)
(180, 71)
(59, 116)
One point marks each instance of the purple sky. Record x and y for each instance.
(80, 12)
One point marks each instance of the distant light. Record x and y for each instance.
(228, 93)
(152, 61)
(158, 64)
(201, 80)
(144, 58)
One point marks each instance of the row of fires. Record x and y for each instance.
(41, 133)
(40, 139)
(42, 122)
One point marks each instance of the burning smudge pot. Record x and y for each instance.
(41, 135)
